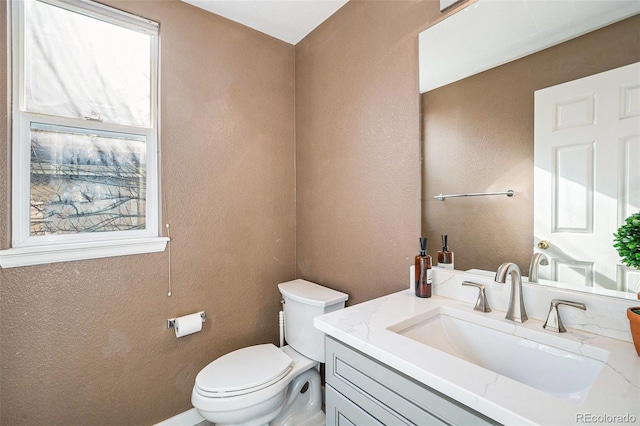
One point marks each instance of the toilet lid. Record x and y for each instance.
(244, 370)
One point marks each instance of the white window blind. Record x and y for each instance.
(85, 133)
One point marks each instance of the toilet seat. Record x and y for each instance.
(243, 371)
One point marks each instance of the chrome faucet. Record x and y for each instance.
(554, 322)
(516, 311)
(536, 260)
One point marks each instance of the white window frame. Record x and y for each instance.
(33, 250)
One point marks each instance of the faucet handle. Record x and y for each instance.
(482, 304)
(554, 321)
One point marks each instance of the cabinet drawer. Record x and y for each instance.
(390, 396)
(342, 412)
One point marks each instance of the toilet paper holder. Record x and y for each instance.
(171, 322)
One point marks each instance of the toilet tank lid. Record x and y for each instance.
(312, 294)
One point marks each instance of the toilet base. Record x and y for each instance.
(319, 419)
(303, 408)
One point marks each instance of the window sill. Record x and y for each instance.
(38, 255)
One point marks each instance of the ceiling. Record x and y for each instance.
(287, 20)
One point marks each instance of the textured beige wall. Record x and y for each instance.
(479, 137)
(358, 147)
(85, 343)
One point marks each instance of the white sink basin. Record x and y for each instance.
(552, 364)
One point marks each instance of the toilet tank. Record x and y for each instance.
(303, 301)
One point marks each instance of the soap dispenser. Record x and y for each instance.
(445, 257)
(423, 271)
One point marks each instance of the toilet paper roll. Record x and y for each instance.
(188, 324)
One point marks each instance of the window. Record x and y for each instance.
(85, 133)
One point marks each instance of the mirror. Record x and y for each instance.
(478, 116)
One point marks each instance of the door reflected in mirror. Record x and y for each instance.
(587, 176)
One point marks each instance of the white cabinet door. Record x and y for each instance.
(587, 175)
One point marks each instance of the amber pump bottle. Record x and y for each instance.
(445, 257)
(423, 271)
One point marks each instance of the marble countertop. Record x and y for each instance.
(613, 398)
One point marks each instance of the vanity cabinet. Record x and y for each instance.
(361, 391)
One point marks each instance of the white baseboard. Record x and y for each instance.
(188, 418)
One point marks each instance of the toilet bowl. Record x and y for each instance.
(263, 395)
(264, 384)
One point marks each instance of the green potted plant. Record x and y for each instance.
(627, 243)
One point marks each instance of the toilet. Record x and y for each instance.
(266, 385)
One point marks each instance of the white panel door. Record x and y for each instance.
(587, 176)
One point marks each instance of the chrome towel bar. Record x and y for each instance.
(508, 193)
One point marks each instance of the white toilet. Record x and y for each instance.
(264, 384)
